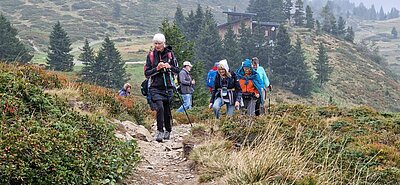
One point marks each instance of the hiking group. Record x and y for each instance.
(244, 89)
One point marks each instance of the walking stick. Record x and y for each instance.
(181, 99)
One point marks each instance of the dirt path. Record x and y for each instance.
(163, 163)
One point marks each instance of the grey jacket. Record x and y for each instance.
(186, 82)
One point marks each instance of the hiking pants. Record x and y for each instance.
(250, 105)
(187, 102)
(163, 115)
(217, 106)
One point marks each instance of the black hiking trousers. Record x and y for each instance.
(163, 115)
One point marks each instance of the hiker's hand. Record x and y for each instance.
(193, 82)
(237, 104)
(257, 95)
(269, 87)
(210, 106)
(160, 66)
(166, 65)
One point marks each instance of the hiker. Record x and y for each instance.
(126, 90)
(160, 63)
(226, 90)
(265, 81)
(211, 76)
(251, 85)
(186, 85)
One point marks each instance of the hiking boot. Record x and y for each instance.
(159, 136)
(167, 135)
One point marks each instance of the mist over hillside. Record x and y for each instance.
(93, 19)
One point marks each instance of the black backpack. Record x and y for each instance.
(144, 87)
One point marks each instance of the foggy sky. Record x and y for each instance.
(387, 4)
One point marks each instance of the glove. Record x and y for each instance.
(269, 87)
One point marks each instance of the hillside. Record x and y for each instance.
(93, 19)
(380, 33)
(56, 130)
(356, 79)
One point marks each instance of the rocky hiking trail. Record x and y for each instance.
(161, 163)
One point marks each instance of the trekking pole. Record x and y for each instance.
(181, 99)
(269, 99)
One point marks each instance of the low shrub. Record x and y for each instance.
(42, 141)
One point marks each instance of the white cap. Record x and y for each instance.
(187, 63)
(224, 64)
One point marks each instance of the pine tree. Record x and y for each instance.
(232, 52)
(190, 29)
(109, 67)
(328, 18)
(341, 27)
(309, 18)
(299, 13)
(277, 13)
(394, 32)
(302, 83)
(88, 59)
(59, 57)
(252, 7)
(372, 13)
(11, 48)
(319, 29)
(262, 8)
(116, 12)
(180, 19)
(208, 47)
(183, 49)
(349, 34)
(334, 28)
(322, 67)
(287, 8)
(245, 41)
(279, 63)
(381, 15)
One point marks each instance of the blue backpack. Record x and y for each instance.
(210, 78)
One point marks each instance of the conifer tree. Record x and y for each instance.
(372, 13)
(183, 49)
(262, 8)
(11, 48)
(59, 57)
(309, 18)
(88, 60)
(245, 41)
(287, 8)
(277, 12)
(281, 50)
(394, 32)
(109, 67)
(322, 67)
(302, 83)
(381, 15)
(190, 30)
(232, 52)
(180, 19)
(319, 29)
(349, 34)
(341, 27)
(208, 47)
(328, 18)
(299, 13)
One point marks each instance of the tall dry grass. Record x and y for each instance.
(269, 159)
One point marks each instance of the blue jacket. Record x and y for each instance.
(263, 76)
(254, 77)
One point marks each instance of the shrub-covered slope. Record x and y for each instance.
(44, 141)
(298, 144)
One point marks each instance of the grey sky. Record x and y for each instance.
(387, 4)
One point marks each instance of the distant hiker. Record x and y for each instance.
(211, 76)
(126, 90)
(186, 85)
(160, 63)
(265, 81)
(251, 85)
(226, 90)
